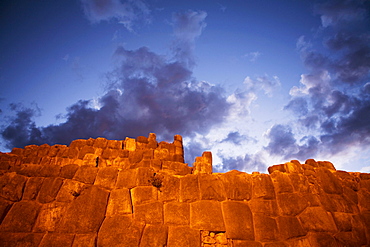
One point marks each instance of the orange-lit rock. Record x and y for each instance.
(139, 192)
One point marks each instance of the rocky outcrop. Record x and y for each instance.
(138, 192)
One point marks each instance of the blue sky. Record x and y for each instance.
(256, 82)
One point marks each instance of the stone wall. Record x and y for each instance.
(138, 192)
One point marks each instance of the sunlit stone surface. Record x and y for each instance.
(139, 192)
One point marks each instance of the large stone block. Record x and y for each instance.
(346, 239)
(106, 177)
(282, 182)
(72, 153)
(49, 189)
(86, 174)
(70, 190)
(176, 168)
(135, 156)
(100, 142)
(8, 239)
(206, 215)
(238, 186)
(360, 225)
(32, 188)
(86, 150)
(321, 239)
(328, 182)
(4, 208)
(50, 171)
(326, 164)
(68, 171)
(115, 144)
(293, 167)
(189, 188)
(86, 212)
(130, 144)
(177, 213)
(49, 217)
(119, 202)
(161, 154)
(364, 199)
(183, 236)
(91, 160)
(120, 231)
(348, 180)
(84, 240)
(291, 204)
(350, 195)
(127, 179)
(21, 217)
(143, 194)
(11, 186)
(110, 153)
(267, 207)
(238, 220)
(144, 176)
(317, 219)
(154, 236)
(365, 184)
(337, 203)
(289, 227)
(29, 170)
(262, 187)
(57, 240)
(211, 187)
(170, 189)
(150, 213)
(265, 228)
(56, 149)
(343, 221)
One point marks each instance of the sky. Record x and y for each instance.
(258, 83)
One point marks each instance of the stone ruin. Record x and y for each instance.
(140, 193)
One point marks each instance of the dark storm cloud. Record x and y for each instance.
(124, 12)
(281, 141)
(147, 93)
(335, 12)
(234, 137)
(242, 163)
(333, 99)
(298, 105)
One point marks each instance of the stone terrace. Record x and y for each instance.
(138, 192)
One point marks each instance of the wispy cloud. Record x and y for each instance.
(253, 56)
(124, 12)
(188, 26)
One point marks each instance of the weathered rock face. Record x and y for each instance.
(138, 192)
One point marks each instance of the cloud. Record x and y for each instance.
(124, 12)
(188, 26)
(281, 141)
(146, 93)
(332, 101)
(253, 56)
(234, 137)
(247, 162)
(264, 83)
(339, 12)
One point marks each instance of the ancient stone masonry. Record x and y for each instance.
(140, 193)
